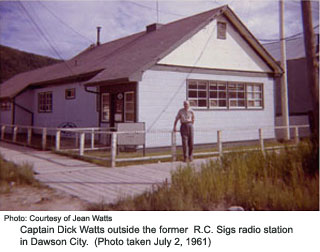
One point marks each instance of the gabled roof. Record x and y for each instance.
(125, 59)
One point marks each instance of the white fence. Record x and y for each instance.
(81, 140)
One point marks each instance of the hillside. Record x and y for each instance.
(13, 61)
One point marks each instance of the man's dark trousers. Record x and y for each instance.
(186, 131)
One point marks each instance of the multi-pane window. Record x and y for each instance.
(198, 93)
(45, 102)
(129, 107)
(222, 30)
(5, 106)
(70, 93)
(236, 95)
(105, 107)
(217, 95)
(254, 95)
(224, 95)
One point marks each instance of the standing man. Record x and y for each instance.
(186, 117)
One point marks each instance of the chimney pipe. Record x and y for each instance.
(98, 35)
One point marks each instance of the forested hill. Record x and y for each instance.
(13, 61)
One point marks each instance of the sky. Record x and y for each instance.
(62, 29)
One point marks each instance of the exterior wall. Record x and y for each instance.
(299, 94)
(161, 95)
(25, 100)
(80, 111)
(206, 51)
(5, 116)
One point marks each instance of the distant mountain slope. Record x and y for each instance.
(13, 61)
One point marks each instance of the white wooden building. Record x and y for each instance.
(210, 59)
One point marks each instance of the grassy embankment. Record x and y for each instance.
(283, 180)
(12, 174)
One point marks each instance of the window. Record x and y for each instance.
(218, 95)
(45, 102)
(224, 95)
(70, 93)
(197, 93)
(254, 95)
(236, 94)
(5, 106)
(105, 107)
(221, 30)
(129, 107)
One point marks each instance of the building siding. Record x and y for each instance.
(206, 51)
(161, 95)
(5, 116)
(25, 100)
(80, 111)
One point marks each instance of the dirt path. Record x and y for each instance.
(29, 198)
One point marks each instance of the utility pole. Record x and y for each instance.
(312, 67)
(283, 79)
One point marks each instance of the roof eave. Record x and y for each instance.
(108, 82)
(253, 41)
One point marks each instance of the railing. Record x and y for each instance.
(81, 140)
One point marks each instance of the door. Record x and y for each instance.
(118, 107)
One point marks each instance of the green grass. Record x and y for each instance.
(100, 157)
(12, 174)
(282, 180)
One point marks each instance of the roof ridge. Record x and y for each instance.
(143, 33)
(201, 20)
(93, 46)
(199, 14)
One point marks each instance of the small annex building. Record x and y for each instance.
(210, 59)
(299, 94)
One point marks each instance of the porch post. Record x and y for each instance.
(29, 136)
(15, 130)
(261, 140)
(296, 135)
(174, 146)
(3, 129)
(44, 138)
(82, 138)
(58, 137)
(92, 139)
(113, 149)
(219, 142)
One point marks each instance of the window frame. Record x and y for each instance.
(257, 95)
(5, 106)
(45, 102)
(102, 110)
(67, 97)
(198, 96)
(221, 30)
(261, 92)
(133, 102)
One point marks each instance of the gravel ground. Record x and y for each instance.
(30, 198)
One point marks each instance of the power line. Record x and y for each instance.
(64, 23)
(289, 38)
(39, 30)
(154, 9)
(44, 36)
